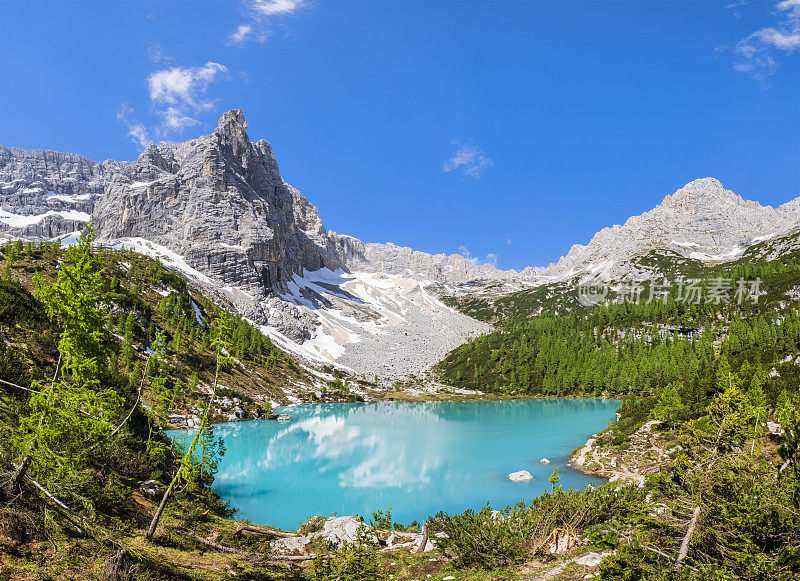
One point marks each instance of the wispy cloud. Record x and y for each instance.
(758, 54)
(490, 258)
(136, 130)
(156, 54)
(180, 94)
(468, 159)
(735, 5)
(260, 15)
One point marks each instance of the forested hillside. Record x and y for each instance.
(637, 348)
(709, 360)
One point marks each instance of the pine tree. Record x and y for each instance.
(128, 351)
(724, 378)
(669, 407)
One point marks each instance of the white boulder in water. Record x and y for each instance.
(544, 461)
(520, 476)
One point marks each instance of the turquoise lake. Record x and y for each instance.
(415, 458)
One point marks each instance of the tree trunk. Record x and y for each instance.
(686, 539)
(213, 545)
(263, 531)
(157, 516)
(16, 482)
(424, 541)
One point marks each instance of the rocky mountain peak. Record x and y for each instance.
(232, 140)
(703, 194)
(232, 123)
(701, 220)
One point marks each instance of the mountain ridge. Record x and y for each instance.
(217, 208)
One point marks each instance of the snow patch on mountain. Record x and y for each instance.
(13, 220)
(166, 256)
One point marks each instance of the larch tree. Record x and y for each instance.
(74, 408)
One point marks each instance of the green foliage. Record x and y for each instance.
(669, 408)
(381, 520)
(554, 478)
(63, 415)
(731, 415)
(351, 562)
(489, 539)
(788, 414)
(74, 302)
(61, 419)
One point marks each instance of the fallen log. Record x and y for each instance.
(297, 557)
(216, 546)
(232, 550)
(262, 531)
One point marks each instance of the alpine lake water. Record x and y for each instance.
(415, 458)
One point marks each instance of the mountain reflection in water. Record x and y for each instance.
(415, 458)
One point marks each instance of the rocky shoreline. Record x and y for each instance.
(644, 453)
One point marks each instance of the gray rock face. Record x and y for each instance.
(44, 194)
(702, 220)
(219, 202)
(392, 259)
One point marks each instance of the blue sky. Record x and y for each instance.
(505, 130)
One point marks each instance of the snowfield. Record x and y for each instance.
(376, 323)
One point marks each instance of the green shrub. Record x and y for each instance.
(350, 562)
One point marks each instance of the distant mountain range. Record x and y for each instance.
(217, 209)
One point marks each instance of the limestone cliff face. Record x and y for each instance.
(44, 194)
(220, 202)
(701, 220)
(393, 259)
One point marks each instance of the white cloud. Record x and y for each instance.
(260, 14)
(272, 7)
(242, 33)
(490, 258)
(468, 159)
(179, 94)
(184, 85)
(758, 53)
(792, 6)
(136, 130)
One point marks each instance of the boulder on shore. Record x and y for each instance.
(340, 529)
(520, 476)
(290, 545)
